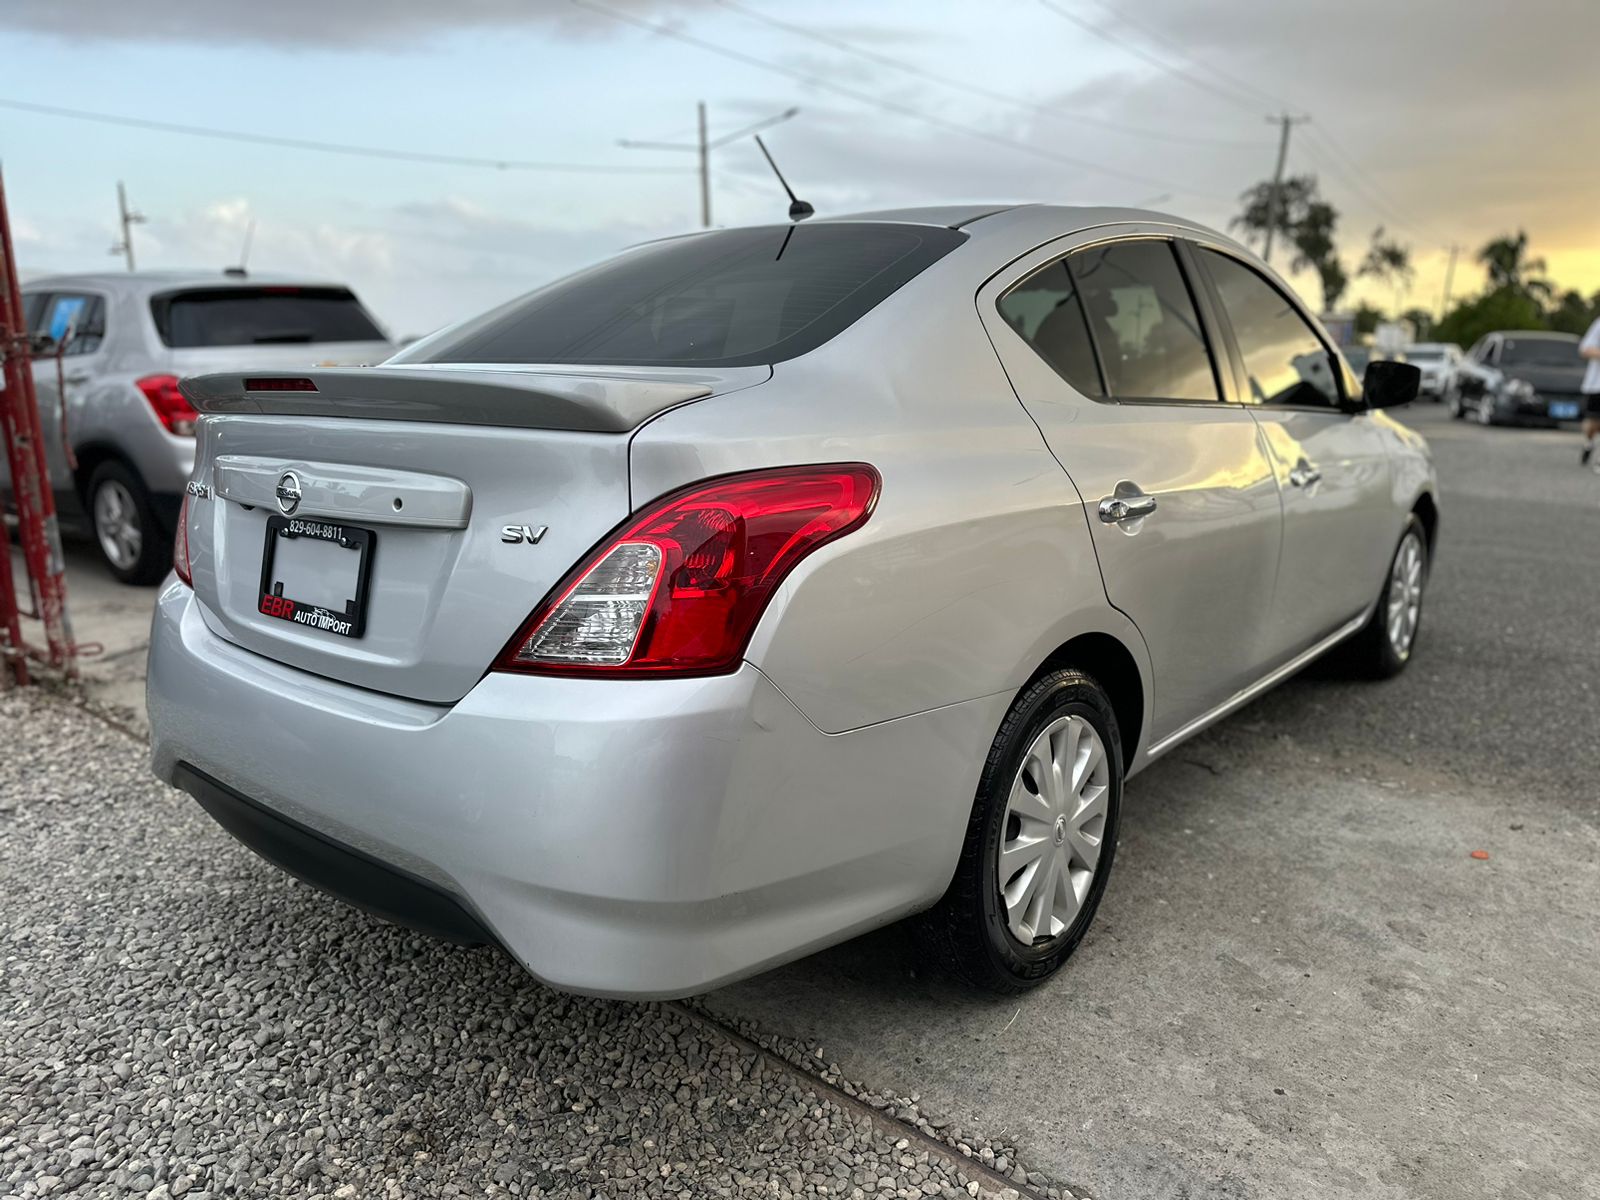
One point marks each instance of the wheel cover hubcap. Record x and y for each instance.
(1054, 823)
(116, 524)
(1406, 578)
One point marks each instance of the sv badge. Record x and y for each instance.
(522, 535)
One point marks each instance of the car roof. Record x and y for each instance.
(997, 214)
(1543, 335)
(149, 283)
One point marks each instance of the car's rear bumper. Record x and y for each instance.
(356, 878)
(642, 838)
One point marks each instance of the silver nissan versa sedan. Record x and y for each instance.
(761, 586)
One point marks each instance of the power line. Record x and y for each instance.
(703, 145)
(1232, 96)
(1241, 85)
(972, 89)
(903, 110)
(235, 135)
(1245, 94)
(1347, 168)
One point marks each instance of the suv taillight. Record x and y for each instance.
(678, 589)
(180, 544)
(171, 408)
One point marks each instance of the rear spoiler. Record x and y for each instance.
(588, 400)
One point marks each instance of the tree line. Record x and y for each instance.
(1518, 293)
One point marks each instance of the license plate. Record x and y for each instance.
(315, 574)
(1564, 410)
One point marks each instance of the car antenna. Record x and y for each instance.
(799, 210)
(240, 272)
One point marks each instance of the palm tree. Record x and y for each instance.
(1509, 267)
(1388, 262)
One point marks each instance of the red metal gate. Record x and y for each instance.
(30, 490)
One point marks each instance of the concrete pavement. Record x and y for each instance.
(1300, 983)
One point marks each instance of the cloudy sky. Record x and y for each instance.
(1446, 121)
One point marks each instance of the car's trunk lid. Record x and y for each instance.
(470, 492)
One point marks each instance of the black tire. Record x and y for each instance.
(1372, 652)
(149, 560)
(967, 932)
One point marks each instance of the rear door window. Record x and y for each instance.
(1143, 320)
(1047, 313)
(732, 297)
(261, 316)
(33, 310)
(75, 318)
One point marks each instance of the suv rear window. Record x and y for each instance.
(733, 297)
(261, 316)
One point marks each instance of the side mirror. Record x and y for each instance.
(41, 345)
(1387, 384)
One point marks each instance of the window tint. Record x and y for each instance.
(1284, 360)
(264, 316)
(33, 310)
(1046, 311)
(732, 297)
(1143, 321)
(82, 317)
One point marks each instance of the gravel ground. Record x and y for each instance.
(179, 1019)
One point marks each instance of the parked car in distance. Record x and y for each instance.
(120, 445)
(1520, 377)
(1438, 362)
(761, 586)
(1358, 357)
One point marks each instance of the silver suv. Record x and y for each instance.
(120, 445)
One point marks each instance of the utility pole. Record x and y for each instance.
(705, 169)
(1449, 279)
(703, 145)
(1275, 205)
(129, 219)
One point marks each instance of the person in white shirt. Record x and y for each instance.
(1589, 348)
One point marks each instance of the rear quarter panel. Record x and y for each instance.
(976, 563)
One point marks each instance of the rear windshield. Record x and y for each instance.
(1541, 352)
(263, 316)
(735, 297)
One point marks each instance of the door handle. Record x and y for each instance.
(1304, 474)
(1127, 504)
(77, 377)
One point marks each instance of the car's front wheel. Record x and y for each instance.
(125, 527)
(1040, 839)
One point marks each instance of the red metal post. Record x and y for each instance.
(13, 656)
(30, 476)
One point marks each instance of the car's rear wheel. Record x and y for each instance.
(1040, 839)
(126, 531)
(1383, 647)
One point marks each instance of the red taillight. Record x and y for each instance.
(679, 588)
(180, 545)
(171, 408)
